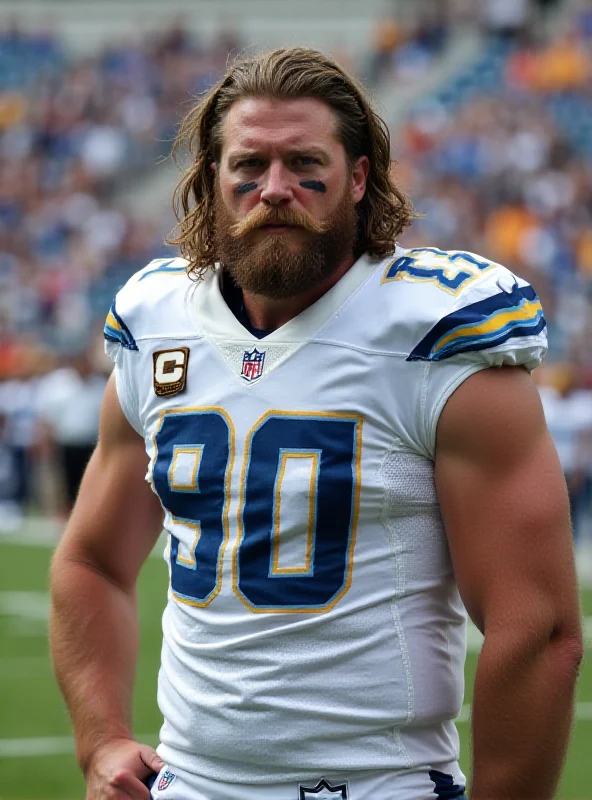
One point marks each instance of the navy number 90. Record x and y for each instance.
(327, 445)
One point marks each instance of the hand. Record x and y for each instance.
(117, 771)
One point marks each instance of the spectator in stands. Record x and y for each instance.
(70, 133)
(405, 52)
(388, 37)
(505, 19)
(561, 66)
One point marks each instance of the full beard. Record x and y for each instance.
(276, 266)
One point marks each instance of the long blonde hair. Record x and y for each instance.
(288, 73)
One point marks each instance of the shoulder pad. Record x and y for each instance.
(460, 303)
(136, 302)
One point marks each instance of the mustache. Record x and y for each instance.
(278, 216)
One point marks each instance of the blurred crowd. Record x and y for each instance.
(498, 163)
(508, 172)
(403, 52)
(71, 133)
(502, 166)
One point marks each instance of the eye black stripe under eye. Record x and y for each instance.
(315, 186)
(245, 188)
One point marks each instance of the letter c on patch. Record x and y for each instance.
(170, 371)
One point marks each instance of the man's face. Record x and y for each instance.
(285, 205)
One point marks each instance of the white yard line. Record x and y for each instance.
(35, 532)
(27, 605)
(45, 533)
(64, 745)
(47, 746)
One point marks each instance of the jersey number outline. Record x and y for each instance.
(205, 438)
(450, 270)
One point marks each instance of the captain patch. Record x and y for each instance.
(170, 371)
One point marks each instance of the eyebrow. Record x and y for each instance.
(312, 152)
(242, 156)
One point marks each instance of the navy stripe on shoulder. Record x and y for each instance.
(163, 268)
(117, 331)
(482, 325)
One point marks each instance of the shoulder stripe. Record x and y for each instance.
(482, 325)
(117, 331)
(164, 268)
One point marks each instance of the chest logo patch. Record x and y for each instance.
(323, 791)
(170, 371)
(253, 361)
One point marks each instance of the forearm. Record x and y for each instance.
(94, 642)
(522, 716)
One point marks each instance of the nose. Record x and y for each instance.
(277, 190)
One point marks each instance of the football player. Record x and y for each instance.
(347, 450)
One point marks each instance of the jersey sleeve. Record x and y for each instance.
(507, 326)
(135, 319)
(500, 322)
(121, 347)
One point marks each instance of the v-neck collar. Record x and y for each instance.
(235, 302)
(219, 322)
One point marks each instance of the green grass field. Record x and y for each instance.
(36, 751)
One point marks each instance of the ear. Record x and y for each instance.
(213, 166)
(359, 178)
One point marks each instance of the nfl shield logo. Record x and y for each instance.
(166, 779)
(252, 364)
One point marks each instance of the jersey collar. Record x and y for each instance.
(219, 322)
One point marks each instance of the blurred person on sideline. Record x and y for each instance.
(19, 401)
(10, 508)
(345, 441)
(568, 411)
(69, 402)
(18, 404)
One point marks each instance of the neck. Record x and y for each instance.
(268, 314)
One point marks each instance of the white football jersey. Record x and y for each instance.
(313, 622)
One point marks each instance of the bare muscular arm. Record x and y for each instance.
(93, 628)
(506, 514)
